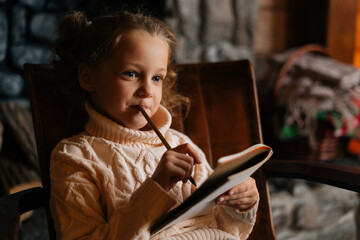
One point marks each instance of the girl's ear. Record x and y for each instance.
(86, 79)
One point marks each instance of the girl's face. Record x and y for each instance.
(133, 75)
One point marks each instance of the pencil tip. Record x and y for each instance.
(192, 181)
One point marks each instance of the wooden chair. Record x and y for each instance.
(224, 118)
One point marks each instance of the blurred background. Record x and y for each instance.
(210, 30)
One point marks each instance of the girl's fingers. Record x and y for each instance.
(185, 162)
(221, 198)
(187, 167)
(242, 196)
(179, 165)
(243, 187)
(249, 193)
(184, 157)
(225, 198)
(188, 149)
(239, 201)
(178, 174)
(176, 165)
(242, 190)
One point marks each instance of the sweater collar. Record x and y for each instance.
(101, 126)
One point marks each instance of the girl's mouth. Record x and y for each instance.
(141, 105)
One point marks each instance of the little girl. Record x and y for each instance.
(113, 180)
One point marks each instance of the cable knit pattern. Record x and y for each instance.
(203, 234)
(101, 186)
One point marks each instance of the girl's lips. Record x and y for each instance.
(143, 106)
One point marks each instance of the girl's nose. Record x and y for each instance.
(145, 90)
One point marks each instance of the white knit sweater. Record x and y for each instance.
(101, 186)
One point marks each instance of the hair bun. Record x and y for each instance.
(70, 30)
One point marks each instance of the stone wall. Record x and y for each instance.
(27, 28)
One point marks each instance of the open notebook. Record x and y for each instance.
(230, 171)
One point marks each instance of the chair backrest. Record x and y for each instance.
(53, 120)
(223, 118)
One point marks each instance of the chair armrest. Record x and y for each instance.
(332, 174)
(13, 205)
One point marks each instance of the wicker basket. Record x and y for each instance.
(325, 149)
(327, 146)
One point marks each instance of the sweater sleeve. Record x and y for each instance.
(77, 211)
(235, 222)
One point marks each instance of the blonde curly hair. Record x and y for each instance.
(83, 41)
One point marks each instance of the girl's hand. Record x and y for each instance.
(176, 165)
(241, 197)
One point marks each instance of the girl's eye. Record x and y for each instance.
(130, 74)
(157, 78)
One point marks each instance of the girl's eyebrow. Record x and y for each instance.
(132, 64)
(139, 66)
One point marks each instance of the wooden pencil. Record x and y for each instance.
(158, 133)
